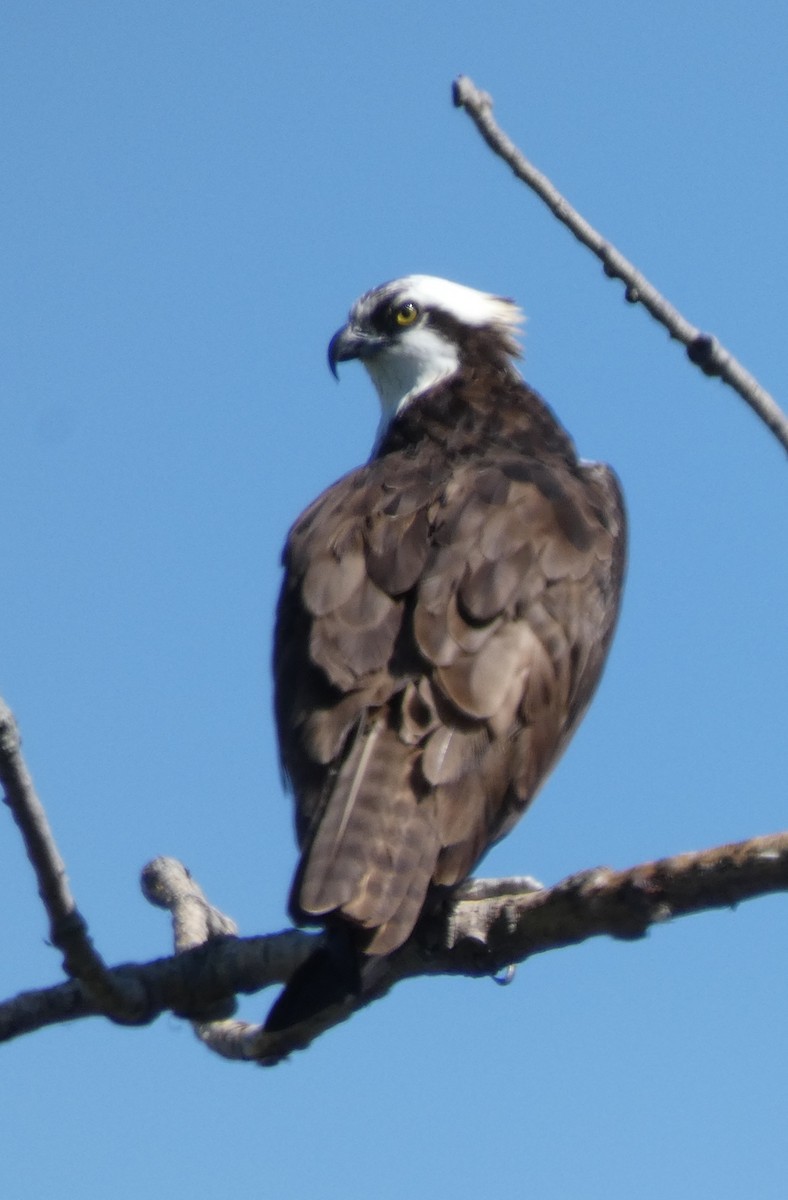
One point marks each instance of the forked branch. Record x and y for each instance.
(485, 926)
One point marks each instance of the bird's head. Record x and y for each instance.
(415, 332)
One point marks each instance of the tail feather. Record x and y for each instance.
(376, 845)
(330, 976)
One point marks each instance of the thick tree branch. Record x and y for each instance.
(482, 937)
(487, 925)
(193, 985)
(703, 349)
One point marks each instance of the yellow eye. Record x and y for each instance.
(407, 313)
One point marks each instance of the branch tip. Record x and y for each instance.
(703, 349)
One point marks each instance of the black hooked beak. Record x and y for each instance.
(351, 342)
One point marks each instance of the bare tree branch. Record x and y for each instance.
(484, 926)
(168, 884)
(68, 928)
(476, 936)
(703, 349)
(195, 984)
(483, 937)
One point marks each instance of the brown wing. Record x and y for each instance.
(440, 631)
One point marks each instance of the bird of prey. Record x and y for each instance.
(444, 619)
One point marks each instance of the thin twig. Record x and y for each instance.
(68, 928)
(703, 349)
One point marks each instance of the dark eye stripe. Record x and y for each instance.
(382, 318)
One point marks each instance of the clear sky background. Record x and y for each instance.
(191, 196)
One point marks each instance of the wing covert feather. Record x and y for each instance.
(440, 632)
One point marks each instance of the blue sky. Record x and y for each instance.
(191, 196)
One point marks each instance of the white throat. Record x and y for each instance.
(420, 359)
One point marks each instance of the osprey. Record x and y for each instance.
(444, 618)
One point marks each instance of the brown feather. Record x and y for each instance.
(443, 622)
